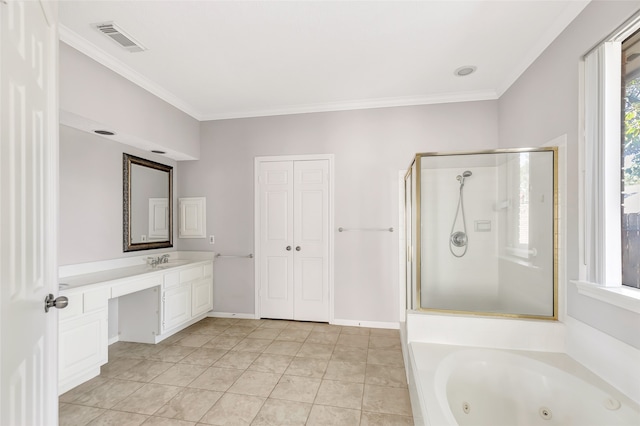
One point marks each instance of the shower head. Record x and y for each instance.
(466, 173)
(461, 177)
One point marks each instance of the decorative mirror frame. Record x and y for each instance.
(127, 161)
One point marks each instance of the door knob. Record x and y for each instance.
(298, 248)
(288, 248)
(49, 302)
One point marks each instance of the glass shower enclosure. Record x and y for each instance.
(482, 233)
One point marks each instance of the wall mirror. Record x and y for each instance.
(147, 204)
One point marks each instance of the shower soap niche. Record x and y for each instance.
(482, 225)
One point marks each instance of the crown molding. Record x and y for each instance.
(94, 52)
(485, 95)
(562, 21)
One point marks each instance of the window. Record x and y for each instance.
(611, 162)
(630, 161)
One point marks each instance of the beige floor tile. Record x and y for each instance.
(340, 394)
(232, 409)
(216, 379)
(327, 328)
(172, 354)
(238, 360)
(296, 388)
(274, 324)
(77, 415)
(353, 340)
(252, 345)
(324, 415)
(255, 383)
(265, 333)
(180, 375)
(163, 421)
(391, 357)
(204, 356)
(145, 371)
(283, 348)
(307, 367)
(386, 375)
(345, 371)
(223, 342)
(361, 331)
(322, 338)
(349, 354)
(385, 332)
(143, 350)
(194, 340)
(121, 349)
(148, 399)
(109, 393)
(117, 366)
(118, 418)
(387, 400)
(294, 325)
(271, 363)
(315, 350)
(293, 335)
(379, 419)
(238, 331)
(74, 393)
(277, 412)
(174, 338)
(382, 342)
(189, 404)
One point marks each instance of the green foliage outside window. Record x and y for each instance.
(631, 145)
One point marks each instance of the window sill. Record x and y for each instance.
(622, 297)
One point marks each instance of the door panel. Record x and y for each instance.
(28, 190)
(311, 232)
(276, 262)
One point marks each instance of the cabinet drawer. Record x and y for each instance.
(133, 286)
(171, 279)
(73, 309)
(191, 274)
(96, 299)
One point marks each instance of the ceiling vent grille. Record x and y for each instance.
(116, 34)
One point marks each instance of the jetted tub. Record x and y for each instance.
(457, 385)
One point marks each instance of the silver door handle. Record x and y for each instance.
(288, 248)
(298, 248)
(49, 302)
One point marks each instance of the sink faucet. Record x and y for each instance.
(155, 261)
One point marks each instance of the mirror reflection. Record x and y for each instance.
(147, 208)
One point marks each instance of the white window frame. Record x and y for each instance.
(600, 272)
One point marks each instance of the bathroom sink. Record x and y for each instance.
(170, 264)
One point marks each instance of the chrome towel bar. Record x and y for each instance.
(245, 256)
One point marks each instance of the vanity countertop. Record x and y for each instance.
(78, 277)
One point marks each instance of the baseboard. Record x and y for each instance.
(113, 339)
(369, 324)
(230, 315)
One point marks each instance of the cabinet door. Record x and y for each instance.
(201, 297)
(83, 345)
(176, 303)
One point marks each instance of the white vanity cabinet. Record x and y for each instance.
(82, 337)
(186, 295)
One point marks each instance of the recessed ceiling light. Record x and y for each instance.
(157, 151)
(104, 132)
(465, 70)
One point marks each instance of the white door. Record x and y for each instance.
(311, 232)
(28, 212)
(293, 235)
(276, 239)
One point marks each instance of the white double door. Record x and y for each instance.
(293, 235)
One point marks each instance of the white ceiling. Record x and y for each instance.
(216, 60)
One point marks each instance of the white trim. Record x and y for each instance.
(622, 296)
(368, 324)
(402, 247)
(91, 50)
(113, 340)
(443, 98)
(230, 315)
(256, 220)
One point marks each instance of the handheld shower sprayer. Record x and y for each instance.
(459, 238)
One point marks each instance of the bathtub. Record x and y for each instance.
(457, 385)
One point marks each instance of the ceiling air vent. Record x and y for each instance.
(116, 34)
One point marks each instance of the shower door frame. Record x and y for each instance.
(414, 251)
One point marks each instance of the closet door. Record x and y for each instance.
(311, 236)
(276, 239)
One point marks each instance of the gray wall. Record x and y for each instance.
(91, 197)
(544, 104)
(370, 147)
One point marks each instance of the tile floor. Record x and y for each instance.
(249, 372)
